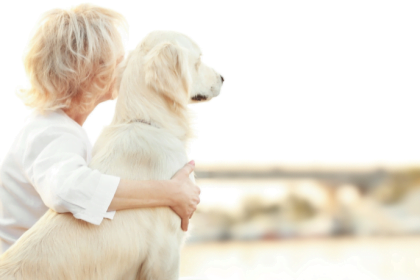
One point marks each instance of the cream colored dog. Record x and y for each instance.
(146, 140)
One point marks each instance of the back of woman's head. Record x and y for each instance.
(71, 58)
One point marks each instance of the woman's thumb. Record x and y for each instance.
(190, 166)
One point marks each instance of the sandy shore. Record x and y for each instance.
(382, 258)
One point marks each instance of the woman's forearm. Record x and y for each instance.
(132, 194)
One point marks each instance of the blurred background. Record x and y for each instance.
(309, 159)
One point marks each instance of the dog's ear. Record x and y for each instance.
(119, 74)
(166, 71)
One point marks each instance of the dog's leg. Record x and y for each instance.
(164, 268)
(163, 258)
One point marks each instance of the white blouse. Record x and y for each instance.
(47, 167)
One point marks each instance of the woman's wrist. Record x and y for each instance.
(168, 192)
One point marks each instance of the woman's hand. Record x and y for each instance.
(185, 196)
(179, 193)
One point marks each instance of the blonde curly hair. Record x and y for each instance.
(72, 56)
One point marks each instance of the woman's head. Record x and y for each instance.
(71, 59)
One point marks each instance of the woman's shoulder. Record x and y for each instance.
(40, 130)
(49, 126)
(51, 121)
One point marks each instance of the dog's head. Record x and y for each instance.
(173, 68)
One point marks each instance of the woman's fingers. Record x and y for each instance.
(185, 171)
(189, 167)
(184, 224)
(184, 213)
(191, 163)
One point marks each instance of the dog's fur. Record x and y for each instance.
(145, 141)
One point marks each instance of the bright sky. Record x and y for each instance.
(306, 82)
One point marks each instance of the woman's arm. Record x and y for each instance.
(54, 161)
(179, 193)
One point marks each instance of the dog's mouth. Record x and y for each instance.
(199, 97)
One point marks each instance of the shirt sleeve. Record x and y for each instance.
(55, 163)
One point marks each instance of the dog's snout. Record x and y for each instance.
(221, 77)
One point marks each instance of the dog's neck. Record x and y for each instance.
(145, 122)
(140, 104)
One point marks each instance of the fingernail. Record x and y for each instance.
(192, 162)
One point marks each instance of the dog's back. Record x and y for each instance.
(138, 151)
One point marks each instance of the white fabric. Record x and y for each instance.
(47, 167)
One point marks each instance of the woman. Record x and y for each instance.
(71, 63)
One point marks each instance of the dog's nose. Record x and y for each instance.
(222, 78)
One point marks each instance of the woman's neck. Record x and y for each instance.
(78, 117)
